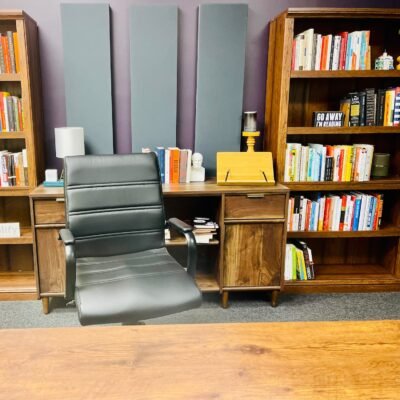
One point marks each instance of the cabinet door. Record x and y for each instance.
(51, 261)
(253, 254)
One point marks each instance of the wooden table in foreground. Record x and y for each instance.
(311, 360)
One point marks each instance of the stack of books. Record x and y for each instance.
(205, 230)
(9, 53)
(11, 119)
(175, 164)
(372, 107)
(354, 211)
(344, 51)
(316, 162)
(14, 168)
(298, 262)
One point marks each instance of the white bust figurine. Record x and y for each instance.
(197, 172)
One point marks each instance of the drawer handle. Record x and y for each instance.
(60, 199)
(255, 195)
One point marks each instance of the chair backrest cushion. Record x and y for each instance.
(114, 203)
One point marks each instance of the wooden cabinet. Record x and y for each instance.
(352, 260)
(17, 278)
(247, 254)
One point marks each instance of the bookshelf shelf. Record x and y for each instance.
(348, 261)
(12, 135)
(25, 238)
(182, 242)
(10, 77)
(353, 130)
(386, 231)
(17, 285)
(344, 74)
(207, 283)
(390, 183)
(14, 191)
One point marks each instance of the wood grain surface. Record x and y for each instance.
(303, 360)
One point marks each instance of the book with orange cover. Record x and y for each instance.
(16, 51)
(324, 52)
(327, 212)
(6, 54)
(389, 107)
(174, 164)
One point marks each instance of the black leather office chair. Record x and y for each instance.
(117, 266)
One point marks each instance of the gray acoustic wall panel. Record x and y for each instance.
(220, 79)
(154, 56)
(87, 73)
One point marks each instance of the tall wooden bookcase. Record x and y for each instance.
(344, 261)
(17, 277)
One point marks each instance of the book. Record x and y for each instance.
(370, 107)
(183, 165)
(354, 119)
(345, 109)
(362, 95)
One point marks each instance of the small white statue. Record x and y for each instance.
(197, 172)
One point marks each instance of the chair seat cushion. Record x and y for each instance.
(132, 287)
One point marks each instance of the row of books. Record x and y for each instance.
(14, 168)
(372, 107)
(299, 263)
(204, 230)
(11, 115)
(316, 162)
(354, 211)
(175, 164)
(9, 53)
(344, 51)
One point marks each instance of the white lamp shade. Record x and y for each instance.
(69, 142)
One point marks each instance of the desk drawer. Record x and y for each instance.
(255, 206)
(49, 211)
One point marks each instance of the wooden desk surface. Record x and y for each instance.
(208, 188)
(313, 360)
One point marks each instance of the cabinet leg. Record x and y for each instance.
(45, 305)
(274, 298)
(225, 299)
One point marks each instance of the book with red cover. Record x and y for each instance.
(343, 50)
(324, 52)
(328, 202)
(342, 212)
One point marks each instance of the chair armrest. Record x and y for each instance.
(186, 230)
(70, 263)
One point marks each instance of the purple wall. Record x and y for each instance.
(47, 15)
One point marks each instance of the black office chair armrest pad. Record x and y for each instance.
(67, 237)
(180, 225)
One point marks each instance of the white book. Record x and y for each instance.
(346, 214)
(318, 52)
(351, 213)
(308, 48)
(364, 200)
(338, 210)
(336, 162)
(367, 206)
(288, 262)
(368, 161)
(166, 166)
(304, 163)
(336, 52)
(362, 159)
(300, 52)
(189, 165)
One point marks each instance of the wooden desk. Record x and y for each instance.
(312, 360)
(248, 253)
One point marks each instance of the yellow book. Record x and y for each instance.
(348, 163)
(16, 51)
(389, 106)
(301, 265)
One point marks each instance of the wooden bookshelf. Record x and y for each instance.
(17, 275)
(348, 261)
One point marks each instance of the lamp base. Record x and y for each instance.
(59, 183)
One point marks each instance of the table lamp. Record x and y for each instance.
(69, 142)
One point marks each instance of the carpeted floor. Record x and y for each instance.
(244, 307)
